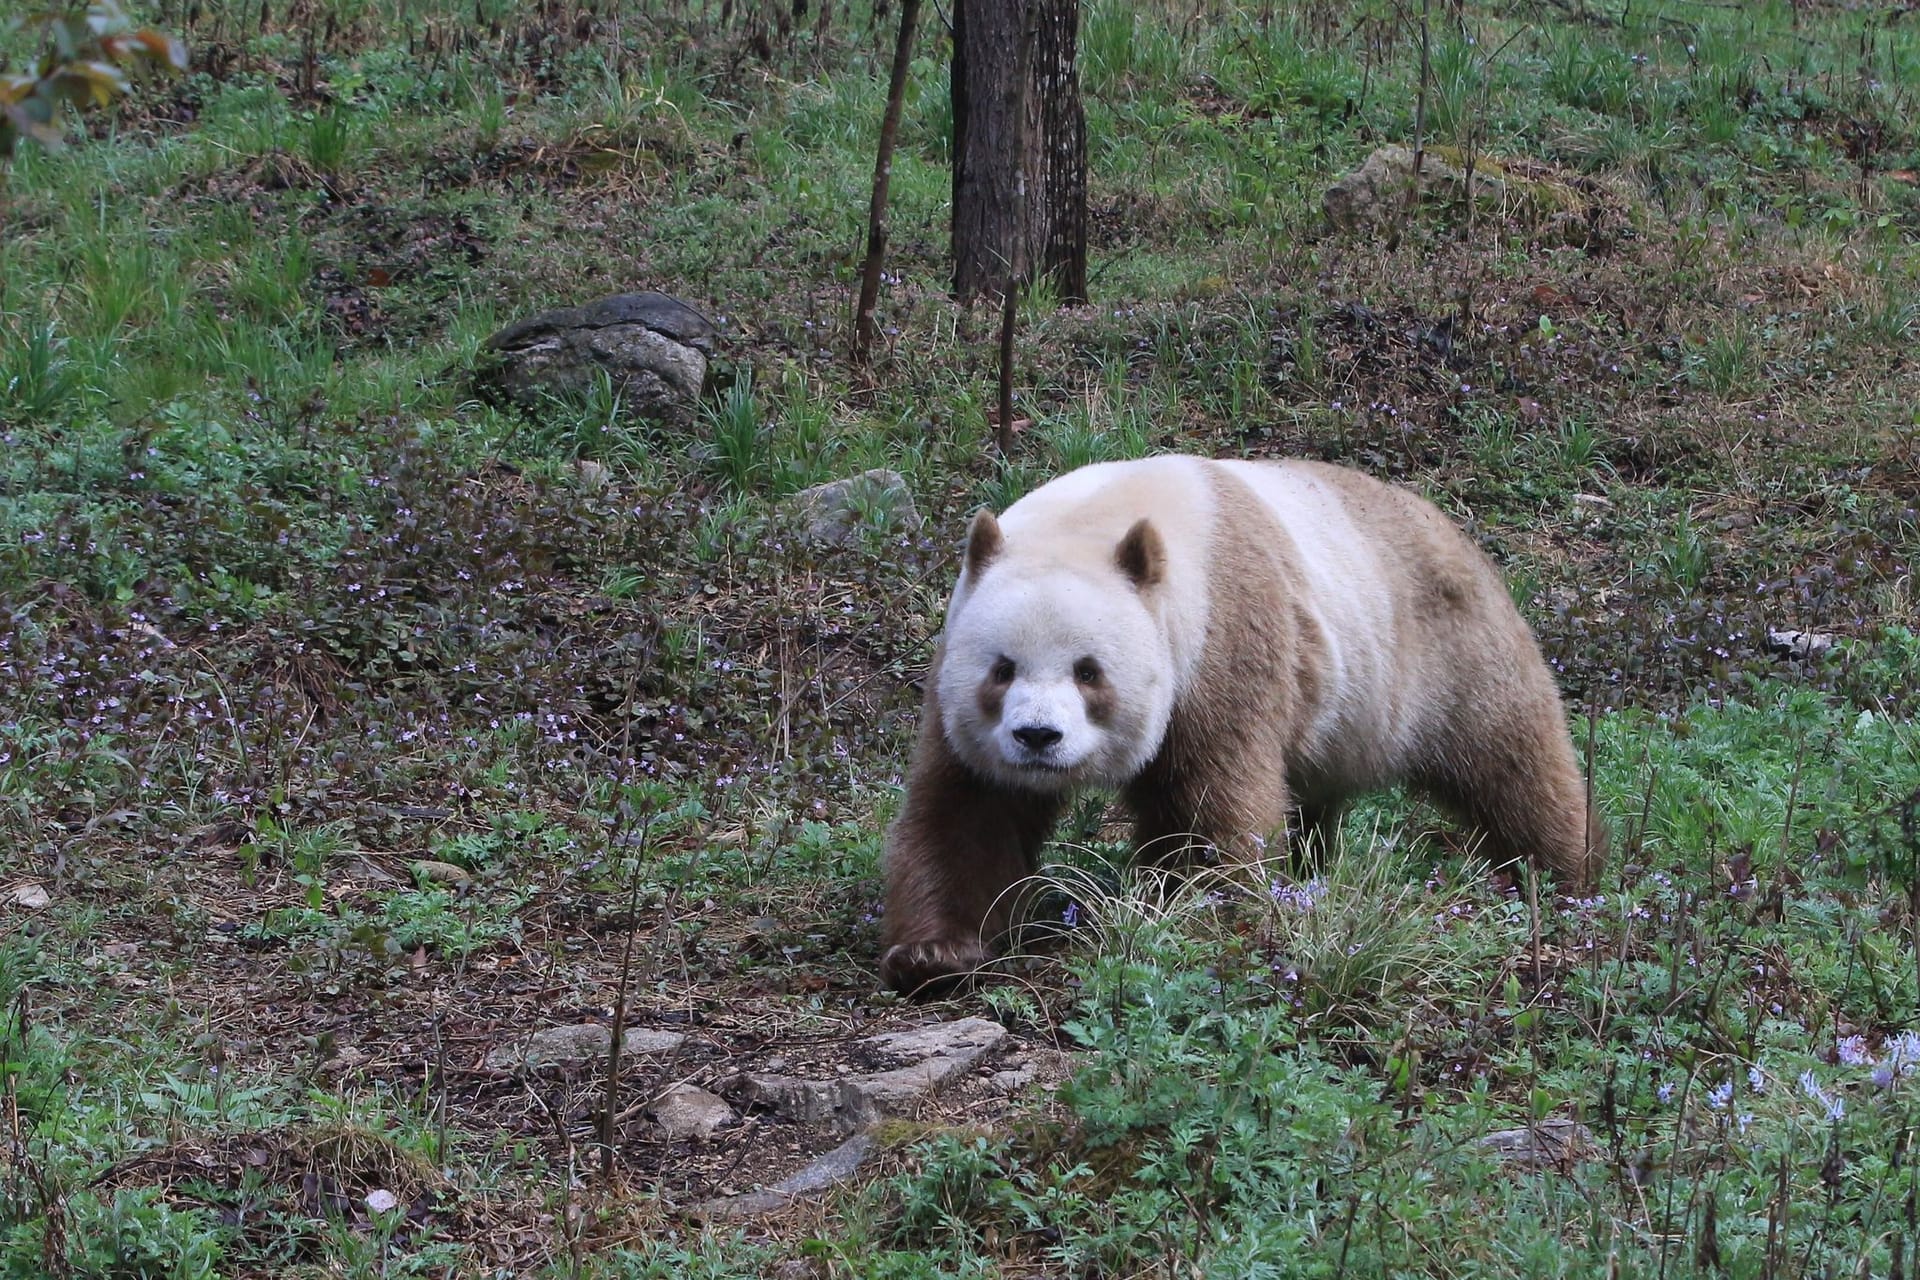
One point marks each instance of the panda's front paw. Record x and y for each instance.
(927, 970)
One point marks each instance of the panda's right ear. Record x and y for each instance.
(983, 542)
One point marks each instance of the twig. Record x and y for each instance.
(863, 328)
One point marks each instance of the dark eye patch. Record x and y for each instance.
(1002, 672)
(1086, 671)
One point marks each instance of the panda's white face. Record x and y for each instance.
(1054, 677)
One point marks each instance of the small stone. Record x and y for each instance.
(1010, 1081)
(31, 895)
(440, 872)
(564, 1046)
(1375, 196)
(348, 1059)
(833, 512)
(1549, 1144)
(1799, 644)
(1592, 500)
(688, 1111)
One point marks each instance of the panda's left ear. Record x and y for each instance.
(1141, 555)
(984, 541)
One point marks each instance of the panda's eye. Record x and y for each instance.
(1002, 672)
(1086, 671)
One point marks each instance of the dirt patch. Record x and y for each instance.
(385, 271)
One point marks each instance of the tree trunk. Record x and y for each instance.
(995, 122)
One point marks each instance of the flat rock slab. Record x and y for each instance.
(1551, 1144)
(652, 347)
(570, 1046)
(965, 1041)
(913, 1062)
(836, 1166)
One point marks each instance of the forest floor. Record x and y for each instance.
(285, 609)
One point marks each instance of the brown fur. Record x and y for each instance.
(1141, 555)
(957, 848)
(1494, 745)
(1497, 753)
(1220, 776)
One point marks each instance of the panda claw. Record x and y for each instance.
(930, 970)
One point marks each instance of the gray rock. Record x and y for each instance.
(440, 872)
(687, 1111)
(831, 513)
(914, 1061)
(1375, 196)
(1799, 644)
(835, 1166)
(966, 1040)
(564, 1046)
(748, 1204)
(844, 1105)
(1010, 1081)
(654, 348)
(1549, 1144)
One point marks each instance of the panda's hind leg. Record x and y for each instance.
(1507, 766)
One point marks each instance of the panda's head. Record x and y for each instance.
(1057, 672)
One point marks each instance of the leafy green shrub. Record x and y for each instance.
(82, 68)
(126, 1235)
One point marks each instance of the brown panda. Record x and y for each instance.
(1220, 641)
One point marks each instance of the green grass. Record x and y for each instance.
(284, 607)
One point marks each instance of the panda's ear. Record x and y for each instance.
(1141, 555)
(983, 542)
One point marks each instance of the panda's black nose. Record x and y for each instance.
(1037, 737)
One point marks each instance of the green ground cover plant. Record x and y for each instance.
(286, 609)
